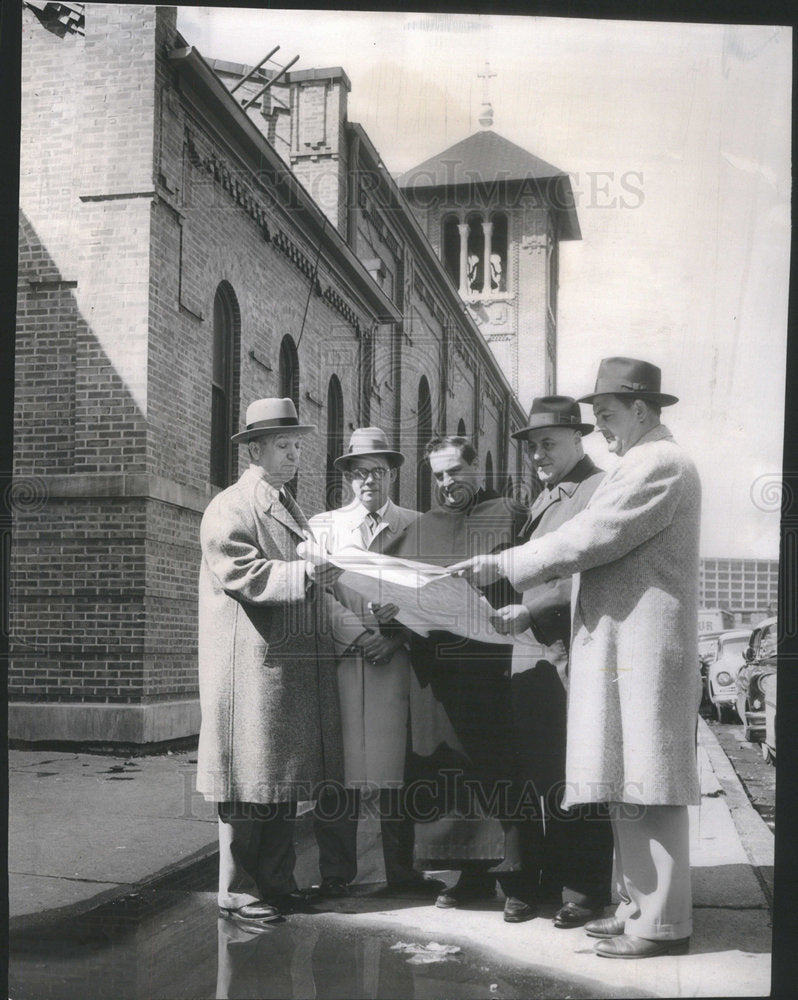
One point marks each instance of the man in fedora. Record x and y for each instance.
(373, 680)
(569, 853)
(634, 687)
(270, 731)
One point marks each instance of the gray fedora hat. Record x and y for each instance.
(629, 377)
(368, 441)
(266, 416)
(553, 411)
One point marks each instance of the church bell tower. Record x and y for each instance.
(496, 214)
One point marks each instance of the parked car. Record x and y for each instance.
(768, 744)
(760, 663)
(722, 669)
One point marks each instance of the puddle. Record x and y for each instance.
(170, 943)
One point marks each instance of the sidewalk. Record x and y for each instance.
(86, 828)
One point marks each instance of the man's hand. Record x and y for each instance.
(318, 567)
(511, 620)
(323, 574)
(378, 648)
(384, 613)
(481, 570)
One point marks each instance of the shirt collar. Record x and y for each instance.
(360, 514)
(583, 468)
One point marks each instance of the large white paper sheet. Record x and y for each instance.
(428, 597)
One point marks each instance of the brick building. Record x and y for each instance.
(180, 255)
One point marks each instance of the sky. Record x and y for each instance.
(677, 141)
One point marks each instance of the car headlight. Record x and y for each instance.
(724, 678)
(756, 704)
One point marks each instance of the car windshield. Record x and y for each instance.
(733, 647)
(767, 644)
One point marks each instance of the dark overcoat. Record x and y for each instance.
(538, 680)
(634, 686)
(270, 727)
(460, 701)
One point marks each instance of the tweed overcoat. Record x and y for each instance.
(270, 728)
(373, 698)
(634, 681)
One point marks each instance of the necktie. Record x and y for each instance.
(293, 508)
(373, 522)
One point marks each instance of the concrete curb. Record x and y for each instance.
(754, 833)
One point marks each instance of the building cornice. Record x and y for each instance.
(263, 160)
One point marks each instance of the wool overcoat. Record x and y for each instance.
(271, 728)
(460, 706)
(634, 680)
(373, 698)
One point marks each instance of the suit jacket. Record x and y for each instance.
(550, 603)
(270, 728)
(634, 686)
(373, 698)
(335, 529)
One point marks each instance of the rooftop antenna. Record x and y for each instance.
(269, 83)
(252, 72)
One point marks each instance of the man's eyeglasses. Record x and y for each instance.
(377, 474)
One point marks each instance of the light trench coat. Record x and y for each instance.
(373, 697)
(634, 679)
(270, 728)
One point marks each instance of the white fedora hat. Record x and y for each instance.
(267, 416)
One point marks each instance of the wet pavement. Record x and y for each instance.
(171, 943)
(112, 873)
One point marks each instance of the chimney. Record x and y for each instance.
(318, 147)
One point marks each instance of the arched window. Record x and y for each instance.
(475, 254)
(461, 428)
(288, 378)
(489, 472)
(450, 248)
(288, 375)
(224, 385)
(423, 435)
(498, 253)
(335, 442)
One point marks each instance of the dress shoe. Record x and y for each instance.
(332, 888)
(415, 887)
(516, 911)
(607, 927)
(465, 891)
(259, 912)
(629, 946)
(574, 915)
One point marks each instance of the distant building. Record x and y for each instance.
(748, 588)
(184, 250)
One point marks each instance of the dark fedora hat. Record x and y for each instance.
(369, 441)
(629, 377)
(553, 411)
(266, 416)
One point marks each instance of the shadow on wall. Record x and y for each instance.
(102, 581)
